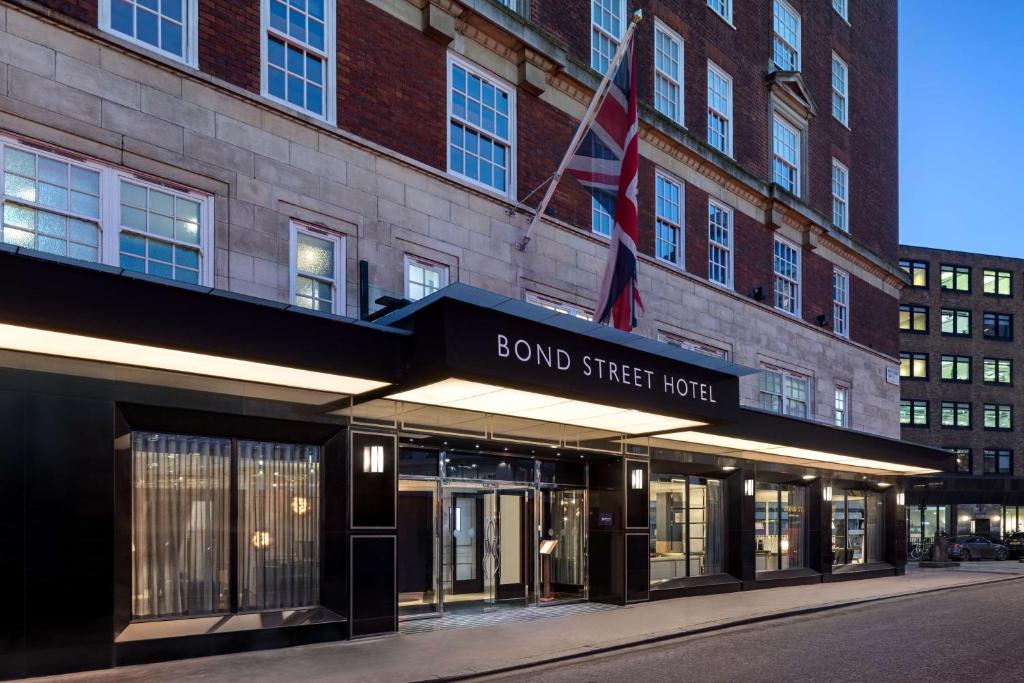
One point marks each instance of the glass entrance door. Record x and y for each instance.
(563, 563)
(514, 546)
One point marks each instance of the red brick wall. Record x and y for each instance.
(83, 10)
(752, 256)
(873, 316)
(696, 231)
(817, 286)
(229, 41)
(385, 70)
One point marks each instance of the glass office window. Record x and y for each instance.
(956, 322)
(181, 492)
(997, 326)
(955, 414)
(914, 365)
(687, 527)
(913, 412)
(998, 371)
(918, 272)
(954, 278)
(780, 511)
(913, 318)
(963, 460)
(997, 282)
(955, 368)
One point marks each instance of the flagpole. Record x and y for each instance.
(584, 125)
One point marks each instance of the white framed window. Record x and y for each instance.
(785, 392)
(168, 27)
(842, 404)
(668, 72)
(719, 109)
(841, 8)
(481, 127)
(720, 241)
(601, 222)
(668, 219)
(99, 213)
(517, 6)
(607, 26)
(693, 345)
(297, 53)
(840, 196)
(840, 90)
(559, 306)
(786, 154)
(423, 277)
(787, 276)
(722, 8)
(786, 24)
(317, 268)
(841, 302)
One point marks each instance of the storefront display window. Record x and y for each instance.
(687, 525)
(779, 526)
(858, 521)
(182, 491)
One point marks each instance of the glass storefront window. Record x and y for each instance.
(687, 527)
(472, 466)
(858, 527)
(182, 492)
(779, 526)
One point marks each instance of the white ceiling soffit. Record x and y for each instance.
(488, 398)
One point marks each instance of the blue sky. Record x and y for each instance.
(962, 125)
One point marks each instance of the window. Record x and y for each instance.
(97, 213)
(786, 23)
(601, 221)
(720, 244)
(558, 306)
(317, 267)
(998, 461)
(913, 413)
(722, 8)
(168, 28)
(607, 22)
(183, 491)
(668, 241)
(780, 518)
(480, 128)
(913, 318)
(840, 7)
(719, 109)
(840, 96)
(954, 278)
(840, 302)
(840, 196)
(693, 345)
(787, 276)
(956, 322)
(956, 368)
(997, 371)
(687, 527)
(423, 277)
(517, 6)
(963, 460)
(858, 524)
(913, 365)
(997, 326)
(918, 272)
(997, 282)
(998, 416)
(668, 72)
(785, 392)
(955, 415)
(842, 406)
(786, 152)
(298, 55)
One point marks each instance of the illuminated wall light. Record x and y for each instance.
(901, 498)
(808, 477)
(784, 545)
(373, 459)
(458, 519)
(300, 505)
(261, 540)
(964, 518)
(728, 468)
(826, 493)
(748, 487)
(637, 479)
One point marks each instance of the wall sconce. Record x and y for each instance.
(826, 494)
(636, 479)
(373, 459)
(901, 498)
(748, 487)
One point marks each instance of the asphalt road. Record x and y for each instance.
(967, 634)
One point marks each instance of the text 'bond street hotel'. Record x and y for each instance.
(273, 371)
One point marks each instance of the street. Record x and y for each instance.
(968, 634)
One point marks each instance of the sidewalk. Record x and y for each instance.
(461, 652)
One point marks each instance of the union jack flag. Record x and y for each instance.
(607, 164)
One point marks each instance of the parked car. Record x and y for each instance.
(967, 548)
(1015, 545)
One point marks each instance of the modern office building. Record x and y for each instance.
(273, 371)
(958, 361)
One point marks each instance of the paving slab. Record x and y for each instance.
(463, 652)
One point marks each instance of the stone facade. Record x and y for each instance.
(375, 180)
(976, 392)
